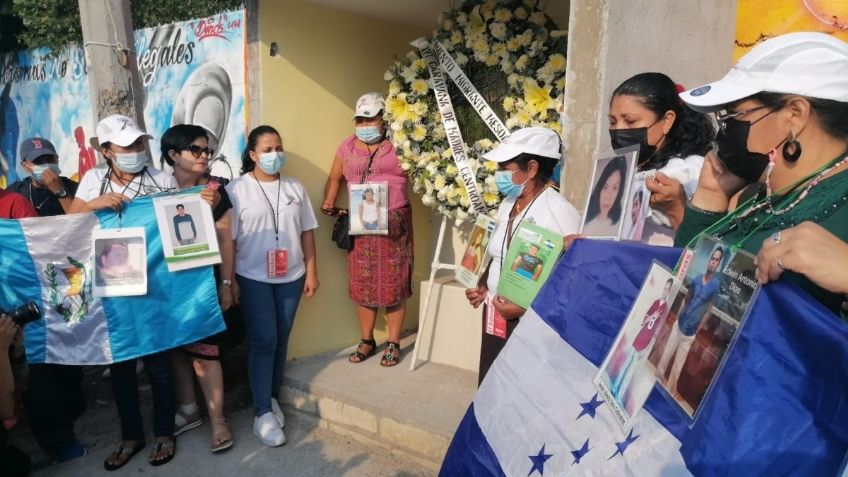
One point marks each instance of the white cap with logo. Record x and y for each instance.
(369, 105)
(539, 141)
(118, 129)
(803, 63)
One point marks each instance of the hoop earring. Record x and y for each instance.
(791, 148)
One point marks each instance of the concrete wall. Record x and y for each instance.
(611, 40)
(327, 58)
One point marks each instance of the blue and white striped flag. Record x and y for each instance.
(779, 406)
(49, 260)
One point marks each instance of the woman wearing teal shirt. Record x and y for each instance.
(782, 113)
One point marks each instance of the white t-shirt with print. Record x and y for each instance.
(550, 211)
(253, 225)
(151, 181)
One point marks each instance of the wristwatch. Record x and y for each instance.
(61, 194)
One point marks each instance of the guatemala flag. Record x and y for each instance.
(779, 406)
(49, 260)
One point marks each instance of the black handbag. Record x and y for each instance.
(341, 233)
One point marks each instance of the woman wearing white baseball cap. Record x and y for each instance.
(127, 174)
(526, 160)
(782, 113)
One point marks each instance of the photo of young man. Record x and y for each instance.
(184, 226)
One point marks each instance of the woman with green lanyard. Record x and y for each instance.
(275, 263)
(782, 113)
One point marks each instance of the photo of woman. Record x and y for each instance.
(369, 210)
(473, 256)
(605, 204)
(368, 201)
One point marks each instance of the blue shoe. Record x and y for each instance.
(71, 451)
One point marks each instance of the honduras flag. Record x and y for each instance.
(49, 260)
(779, 406)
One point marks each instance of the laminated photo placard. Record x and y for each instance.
(637, 209)
(532, 254)
(606, 206)
(471, 264)
(718, 289)
(188, 232)
(624, 381)
(120, 262)
(369, 208)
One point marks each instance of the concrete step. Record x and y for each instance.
(410, 413)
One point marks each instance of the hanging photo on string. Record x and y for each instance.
(188, 232)
(606, 204)
(706, 314)
(369, 208)
(624, 381)
(120, 262)
(468, 271)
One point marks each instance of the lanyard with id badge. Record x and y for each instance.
(277, 258)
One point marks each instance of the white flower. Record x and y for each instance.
(507, 67)
(503, 15)
(439, 181)
(432, 168)
(409, 75)
(538, 18)
(462, 215)
(427, 200)
(461, 59)
(462, 18)
(388, 75)
(405, 166)
(396, 126)
(440, 194)
(447, 25)
(520, 13)
(498, 30)
(464, 201)
(559, 33)
(509, 104)
(489, 181)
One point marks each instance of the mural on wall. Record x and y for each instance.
(759, 20)
(192, 72)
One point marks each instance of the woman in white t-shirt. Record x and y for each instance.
(369, 213)
(126, 177)
(526, 160)
(272, 225)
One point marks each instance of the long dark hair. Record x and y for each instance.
(691, 133)
(618, 163)
(247, 163)
(178, 138)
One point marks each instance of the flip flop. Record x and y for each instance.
(122, 451)
(224, 444)
(157, 446)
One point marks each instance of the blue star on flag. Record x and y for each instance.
(539, 461)
(579, 453)
(590, 407)
(622, 446)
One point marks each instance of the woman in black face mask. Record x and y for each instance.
(783, 125)
(646, 110)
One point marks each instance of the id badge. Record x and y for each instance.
(495, 323)
(277, 262)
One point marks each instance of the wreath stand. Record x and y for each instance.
(435, 266)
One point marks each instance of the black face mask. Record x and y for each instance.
(732, 142)
(620, 138)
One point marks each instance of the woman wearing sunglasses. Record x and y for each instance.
(185, 147)
(783, 138)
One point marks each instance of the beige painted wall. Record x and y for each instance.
(327, 59)
(612, 40)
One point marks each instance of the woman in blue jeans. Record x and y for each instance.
(275, 264)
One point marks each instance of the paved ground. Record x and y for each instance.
(310, 451)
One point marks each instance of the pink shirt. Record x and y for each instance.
(384, 168)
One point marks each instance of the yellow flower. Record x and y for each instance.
(498, 30)
(394, 87)
(499, 49)
(399, 136)
(419, 86)
(521, 62)
(492, 60)
(513, 44)
(538, 18)
(554, 126)
(481, 46)
(490, 199)
(456, 38)
(539, 98)
(556, 62)
(523, 117)
(451, 170)
(419, 108)
(502, 15)
(508, 103)
(419, 132)
(490, 166)
(476, 25)
(419, 64)
(439, 182)
(399, 109)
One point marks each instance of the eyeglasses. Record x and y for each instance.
(722, 116)
(197, 151)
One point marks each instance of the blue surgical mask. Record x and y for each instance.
(271, 162)
(131, 162)
(503, 179)
(39, 170)
(369, 134)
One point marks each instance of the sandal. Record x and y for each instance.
(358, 356)
(164, 445)
(185, 422)
(122, 452)
(221, 437)
(391, 356)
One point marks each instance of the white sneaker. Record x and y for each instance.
(265, 429)
(278, 413)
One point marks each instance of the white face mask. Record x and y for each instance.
(131, 162)
(271, 162)
(39, 170)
